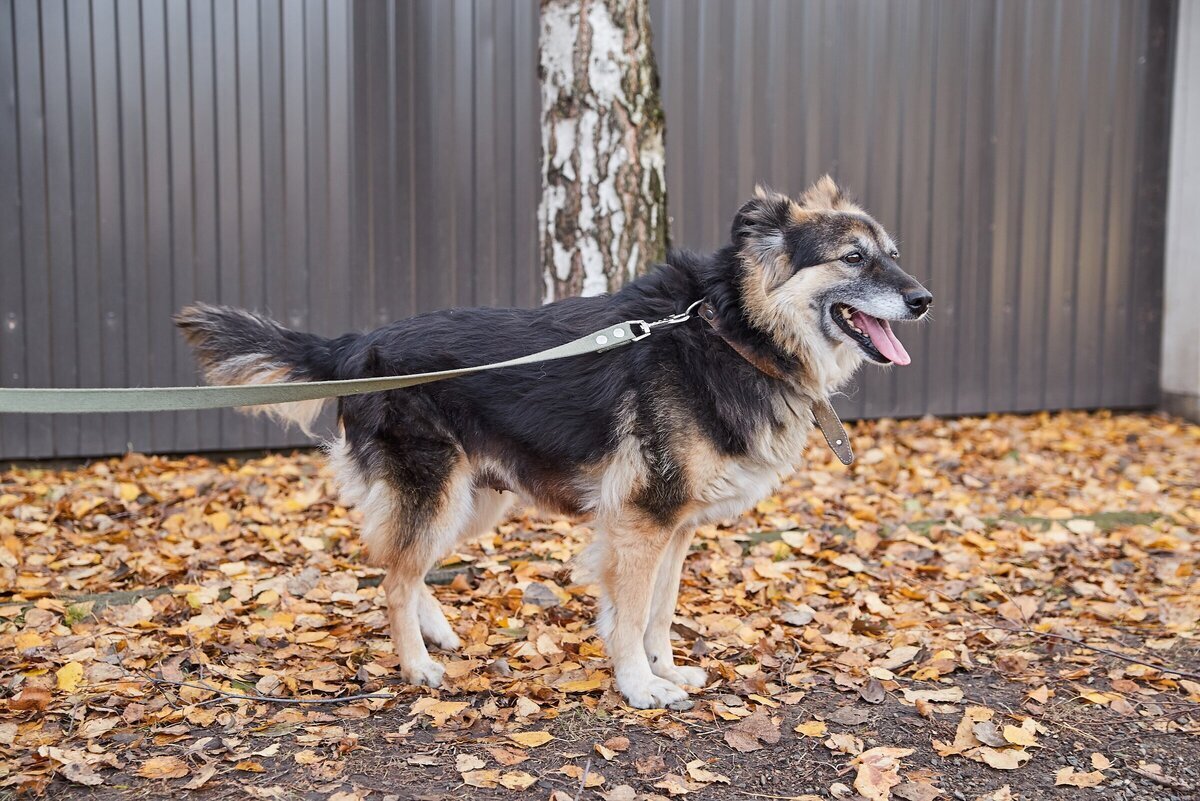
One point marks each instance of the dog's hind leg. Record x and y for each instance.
(488, 508)
(404, 586)
(408, 537)
(657, 640)
(626, 559)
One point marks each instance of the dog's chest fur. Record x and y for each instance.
(725, 486)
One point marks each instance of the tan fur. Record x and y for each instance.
(824, 195)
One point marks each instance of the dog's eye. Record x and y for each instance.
(852, 258)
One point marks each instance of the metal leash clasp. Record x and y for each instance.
(674, 319)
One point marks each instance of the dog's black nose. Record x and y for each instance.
(918, 299)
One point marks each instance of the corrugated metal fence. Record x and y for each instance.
(344, 164)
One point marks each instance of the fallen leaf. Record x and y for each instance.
(813, 728)
(1069, 777)
(753, 733)
(481, 778)
(531, 739)
(878, 772)
(618, 744)
(69, 677)
(986, 732)
(165, 767)
(95, 727)
(1019, 735)
(947, 695)
(201, 777)
(675, 785)
(81, 773)
(517, 780)
(464, 763)
(650, 765)
(622, 792)
(506, 756)
(696, 769)
(31, 698)
(1007, 759)
(849, 716)
(592, 779)
(916, 791)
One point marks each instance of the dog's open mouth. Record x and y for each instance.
(873, 334)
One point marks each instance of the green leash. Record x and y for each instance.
(162, 399)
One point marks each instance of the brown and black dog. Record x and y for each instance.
(691, 426)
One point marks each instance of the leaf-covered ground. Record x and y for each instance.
(945, 619)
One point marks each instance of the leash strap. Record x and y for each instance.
(160, 399)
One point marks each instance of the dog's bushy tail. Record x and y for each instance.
(234, 346)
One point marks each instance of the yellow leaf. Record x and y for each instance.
(1000, 759)
(481, 778)
(581, 685)
(250, 766)
(1067, 776)
(517, 780)
(440, 711)
(29, 639)
(129, 492)
(1041, 695)
(69, 676)
(1096, 698)
(1019, 736)
(1100, 761)
(531, 739)
(814, 728)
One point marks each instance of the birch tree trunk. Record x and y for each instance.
(603, 214)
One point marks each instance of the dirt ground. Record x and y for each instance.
(994, 608)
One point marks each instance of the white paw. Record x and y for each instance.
(690, 676)
(651, 693)
(442, 637)
(434, 626)
(427, 673)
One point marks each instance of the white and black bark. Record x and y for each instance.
(603, 214)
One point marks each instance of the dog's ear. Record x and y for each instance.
(762, 218)
(758, 234)
(825, 195)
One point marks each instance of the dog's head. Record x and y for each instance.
(823, 279)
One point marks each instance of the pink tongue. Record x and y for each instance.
(882, 337)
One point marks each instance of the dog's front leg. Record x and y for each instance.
(630, 560)
(662, 611)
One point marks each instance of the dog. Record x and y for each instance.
(689, 427)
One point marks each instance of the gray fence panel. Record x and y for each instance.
(343, 164)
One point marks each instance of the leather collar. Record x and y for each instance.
(822, 410)
(767, 366)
